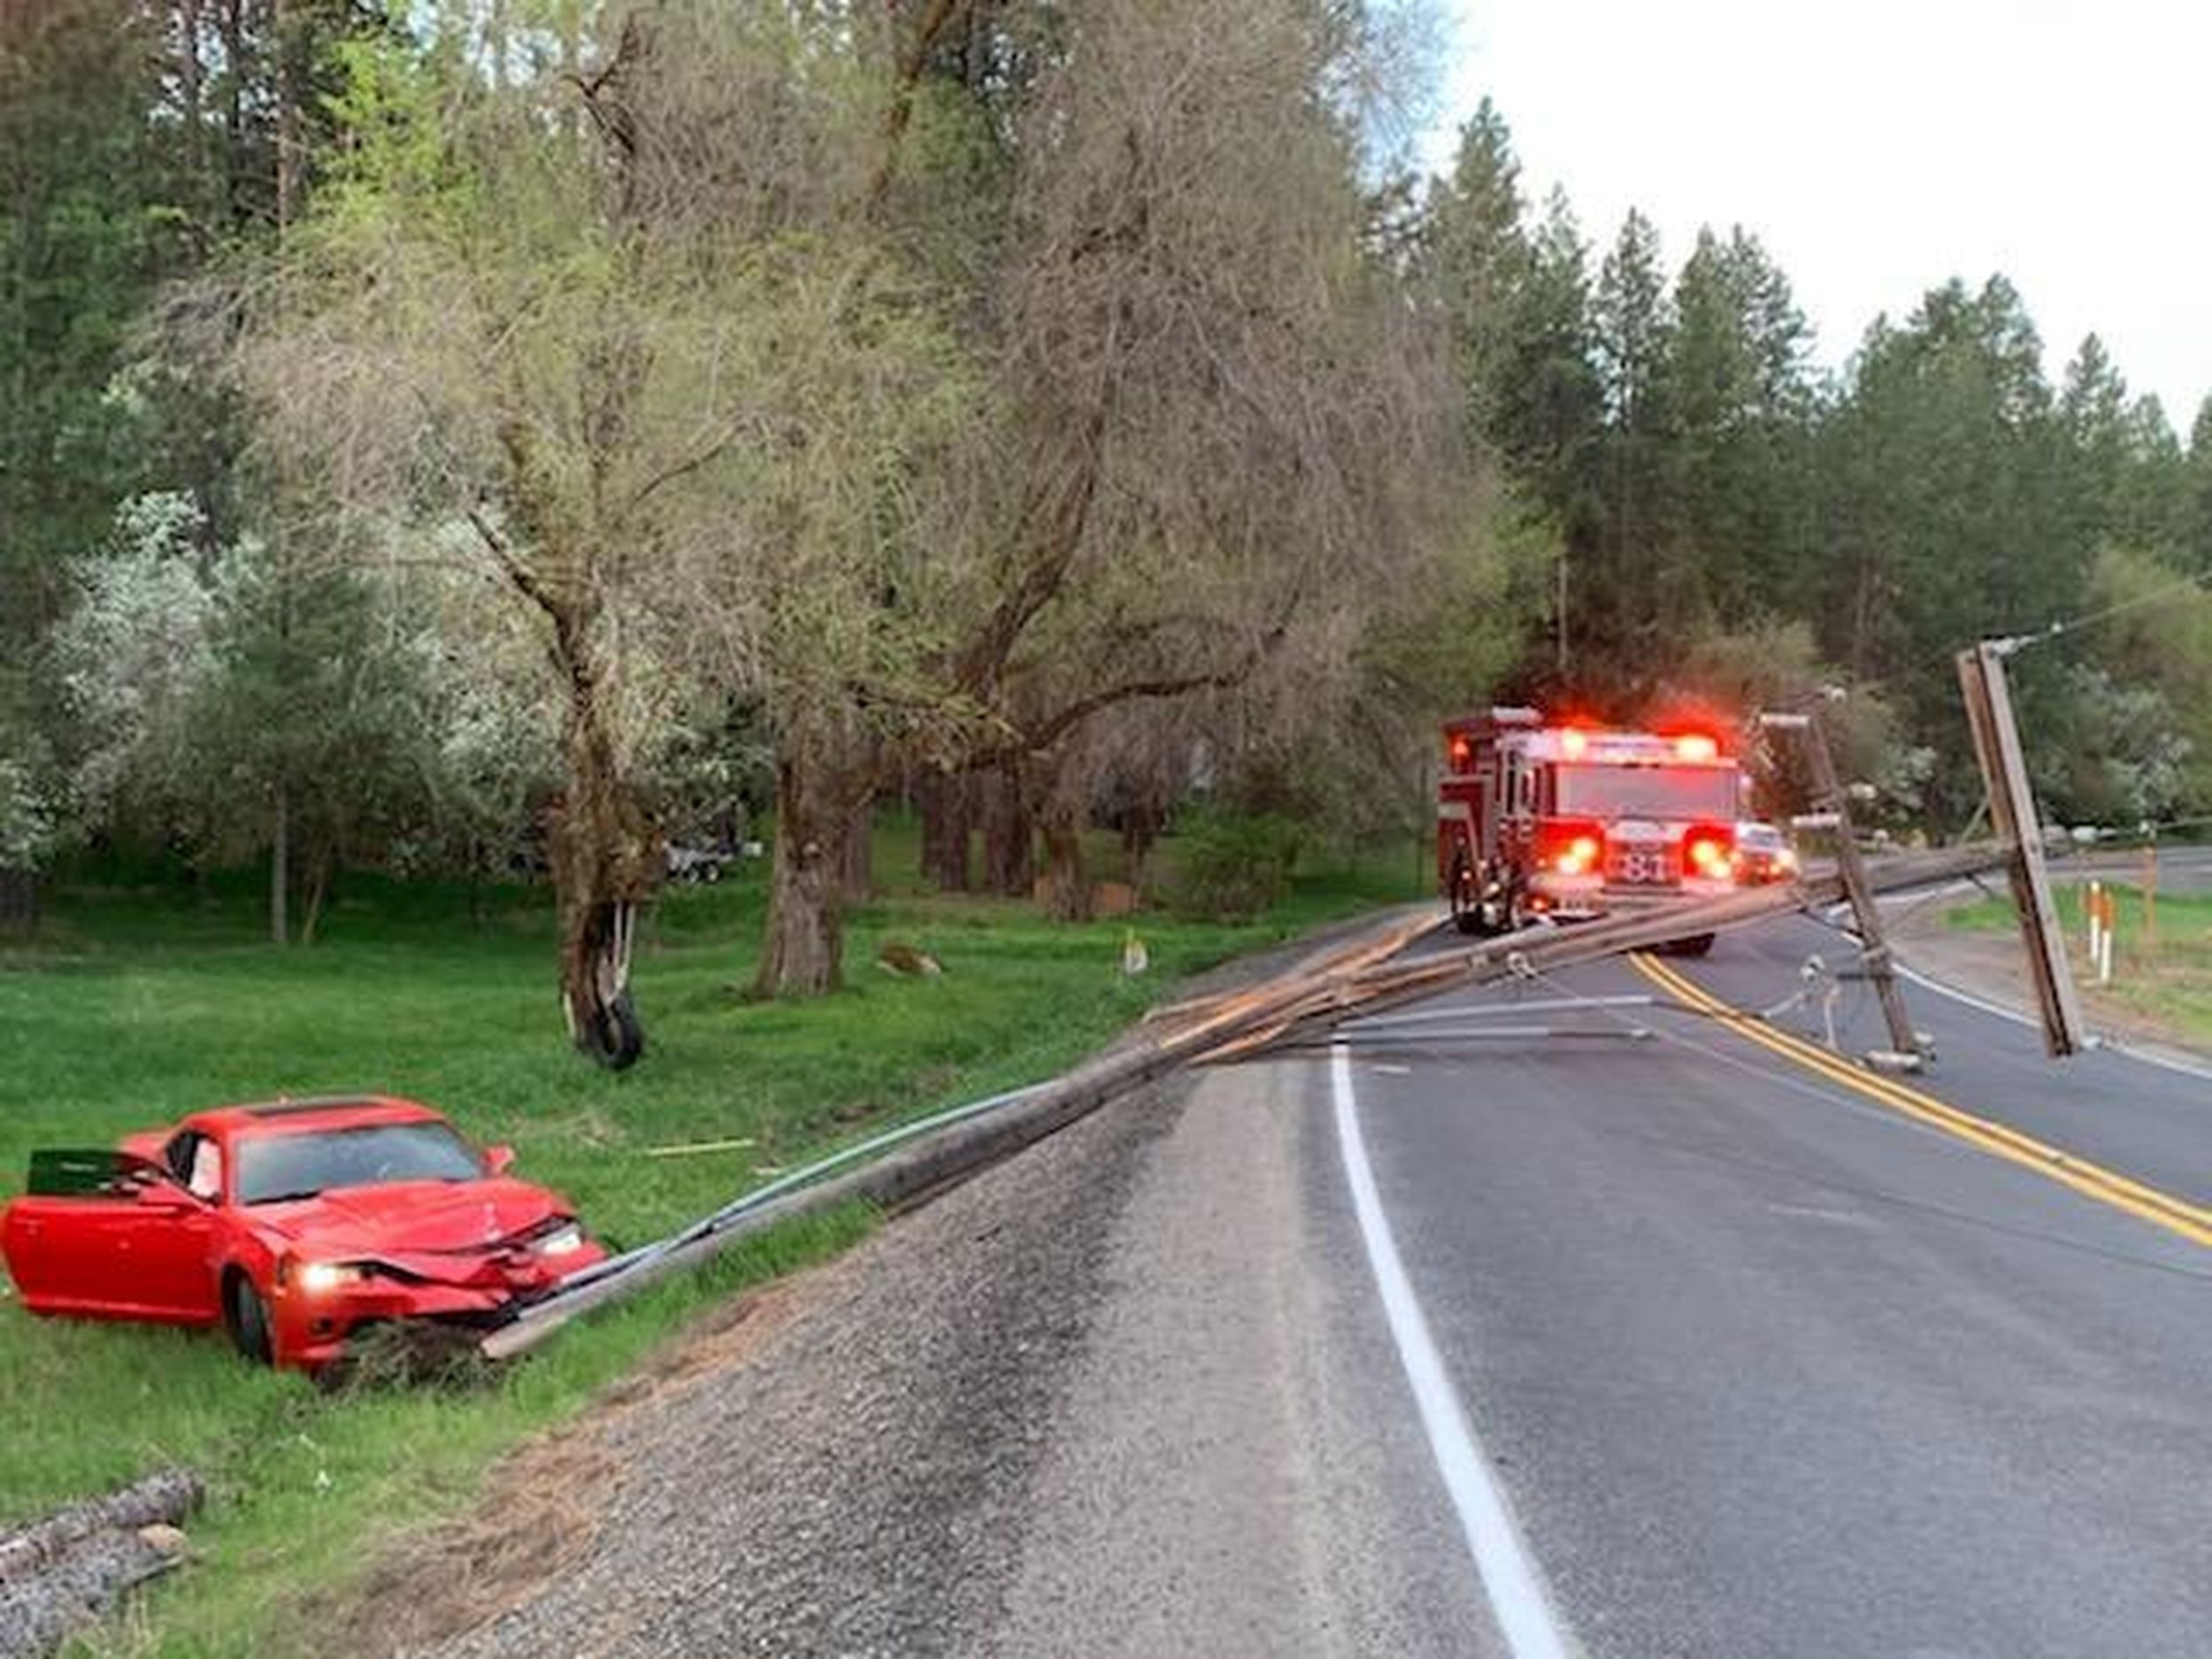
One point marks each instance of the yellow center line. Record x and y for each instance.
(2177, 1215)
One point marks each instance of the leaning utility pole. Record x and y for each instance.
(1834, 802)
(2012, 814)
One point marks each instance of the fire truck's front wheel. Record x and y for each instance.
(1466, 901)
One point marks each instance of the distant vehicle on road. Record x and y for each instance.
(295, 1226)
(1763, 855)
(1537, 817)
(696, 863)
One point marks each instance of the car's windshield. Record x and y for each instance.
(1765, 837)
(299, 1166)
(1656, 792)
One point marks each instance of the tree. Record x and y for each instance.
(1742, 469)
(233, 706)
(1947, 512)
(1640, 597)
(1476, 259)
(499, 314)
(2196, 509)
(1222, 414)
(77, 242)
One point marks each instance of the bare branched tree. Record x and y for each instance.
(1225, 424)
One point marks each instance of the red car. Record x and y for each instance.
(294, 1225)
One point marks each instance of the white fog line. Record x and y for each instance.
(1509, 1573)
(2098, 1040)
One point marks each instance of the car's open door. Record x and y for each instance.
(102, 1232)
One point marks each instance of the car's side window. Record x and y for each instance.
(207, 1171)
(196, 1163)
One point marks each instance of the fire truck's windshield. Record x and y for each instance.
(1653, 792)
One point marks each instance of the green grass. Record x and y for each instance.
(2164, 982)
(136, 1005)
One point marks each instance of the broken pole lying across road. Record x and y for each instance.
(1364, 976)
(932, 1154)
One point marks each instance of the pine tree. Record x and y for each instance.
(1745, 404)
(1645, 594)
(1478, 264)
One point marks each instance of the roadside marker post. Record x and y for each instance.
(2150, 894)
(2094, 909)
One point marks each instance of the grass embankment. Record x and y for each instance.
(2162, 958)
(134, 1007)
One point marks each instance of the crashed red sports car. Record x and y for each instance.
(295, 1226)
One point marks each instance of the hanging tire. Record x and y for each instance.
(612, 1034)
(247, 1317)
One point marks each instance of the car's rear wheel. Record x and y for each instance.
(247, 1316)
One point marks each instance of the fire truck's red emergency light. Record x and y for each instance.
(1572, 848)
(1708, 853)
(1462, 752)
(1697, 746)
(1573, 741)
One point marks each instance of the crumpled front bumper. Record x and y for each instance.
(312, 1327)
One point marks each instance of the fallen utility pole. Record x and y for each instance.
(1366, 975)
(957, 1145)
(1544, 950)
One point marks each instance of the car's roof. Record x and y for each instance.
(317, 1112)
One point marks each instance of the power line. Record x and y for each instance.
(2057, 630)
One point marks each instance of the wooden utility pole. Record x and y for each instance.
(2012, 813)
(1834, 802)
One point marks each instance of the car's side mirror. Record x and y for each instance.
(499, 1160)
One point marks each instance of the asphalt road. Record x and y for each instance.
(1770, 1366)
(1459, 1344)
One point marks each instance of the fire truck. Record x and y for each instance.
(1572, 821)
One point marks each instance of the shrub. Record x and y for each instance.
(1230, 866)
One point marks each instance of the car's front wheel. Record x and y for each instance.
(247, 1316)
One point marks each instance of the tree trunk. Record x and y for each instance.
(1141, 827)
(803, 952)
(943, 801)
(281, 866)
(856, 866)
(1009, 864)
(19, 901)
(317, 889)
(1067, 895)
(605, 860)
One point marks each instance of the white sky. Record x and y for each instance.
(1880, 147)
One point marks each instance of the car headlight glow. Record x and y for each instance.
(562, 1240)
(315, 1278)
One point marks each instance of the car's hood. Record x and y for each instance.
(413, 1219)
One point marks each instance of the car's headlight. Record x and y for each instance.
(562, 1240)
(318, 1278)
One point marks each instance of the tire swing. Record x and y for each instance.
(604, 1020)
